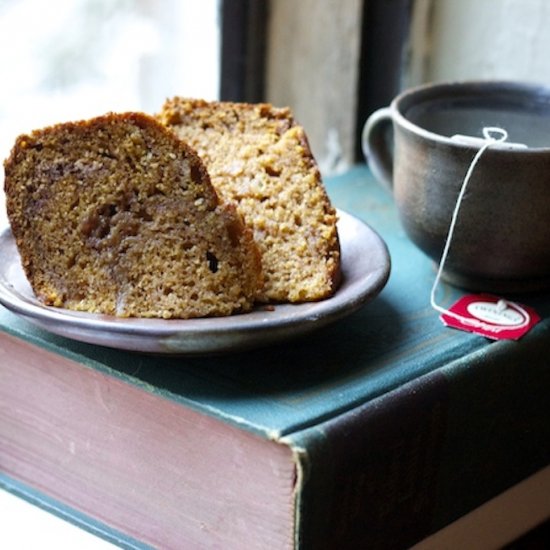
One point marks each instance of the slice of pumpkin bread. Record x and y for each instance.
(259, 159)
(116, 215)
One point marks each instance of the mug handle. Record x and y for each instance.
(376, 147)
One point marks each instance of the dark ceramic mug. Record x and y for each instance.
(501, 240)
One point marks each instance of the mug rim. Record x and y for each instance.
(433, 88)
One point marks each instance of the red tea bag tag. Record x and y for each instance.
(490, 316)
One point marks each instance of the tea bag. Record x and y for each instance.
(485, 314)
(475, 141)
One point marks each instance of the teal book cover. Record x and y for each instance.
(377, 429)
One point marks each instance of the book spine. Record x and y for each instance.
(370, 476)
(392, 472)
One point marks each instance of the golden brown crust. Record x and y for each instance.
(116, 215)
(259, 158)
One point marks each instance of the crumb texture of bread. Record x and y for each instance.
(259, 159)
(116, 215)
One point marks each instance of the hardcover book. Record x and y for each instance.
(373, 431)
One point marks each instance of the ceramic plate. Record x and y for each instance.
(366, 267)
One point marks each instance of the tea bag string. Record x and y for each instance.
(493, 135)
